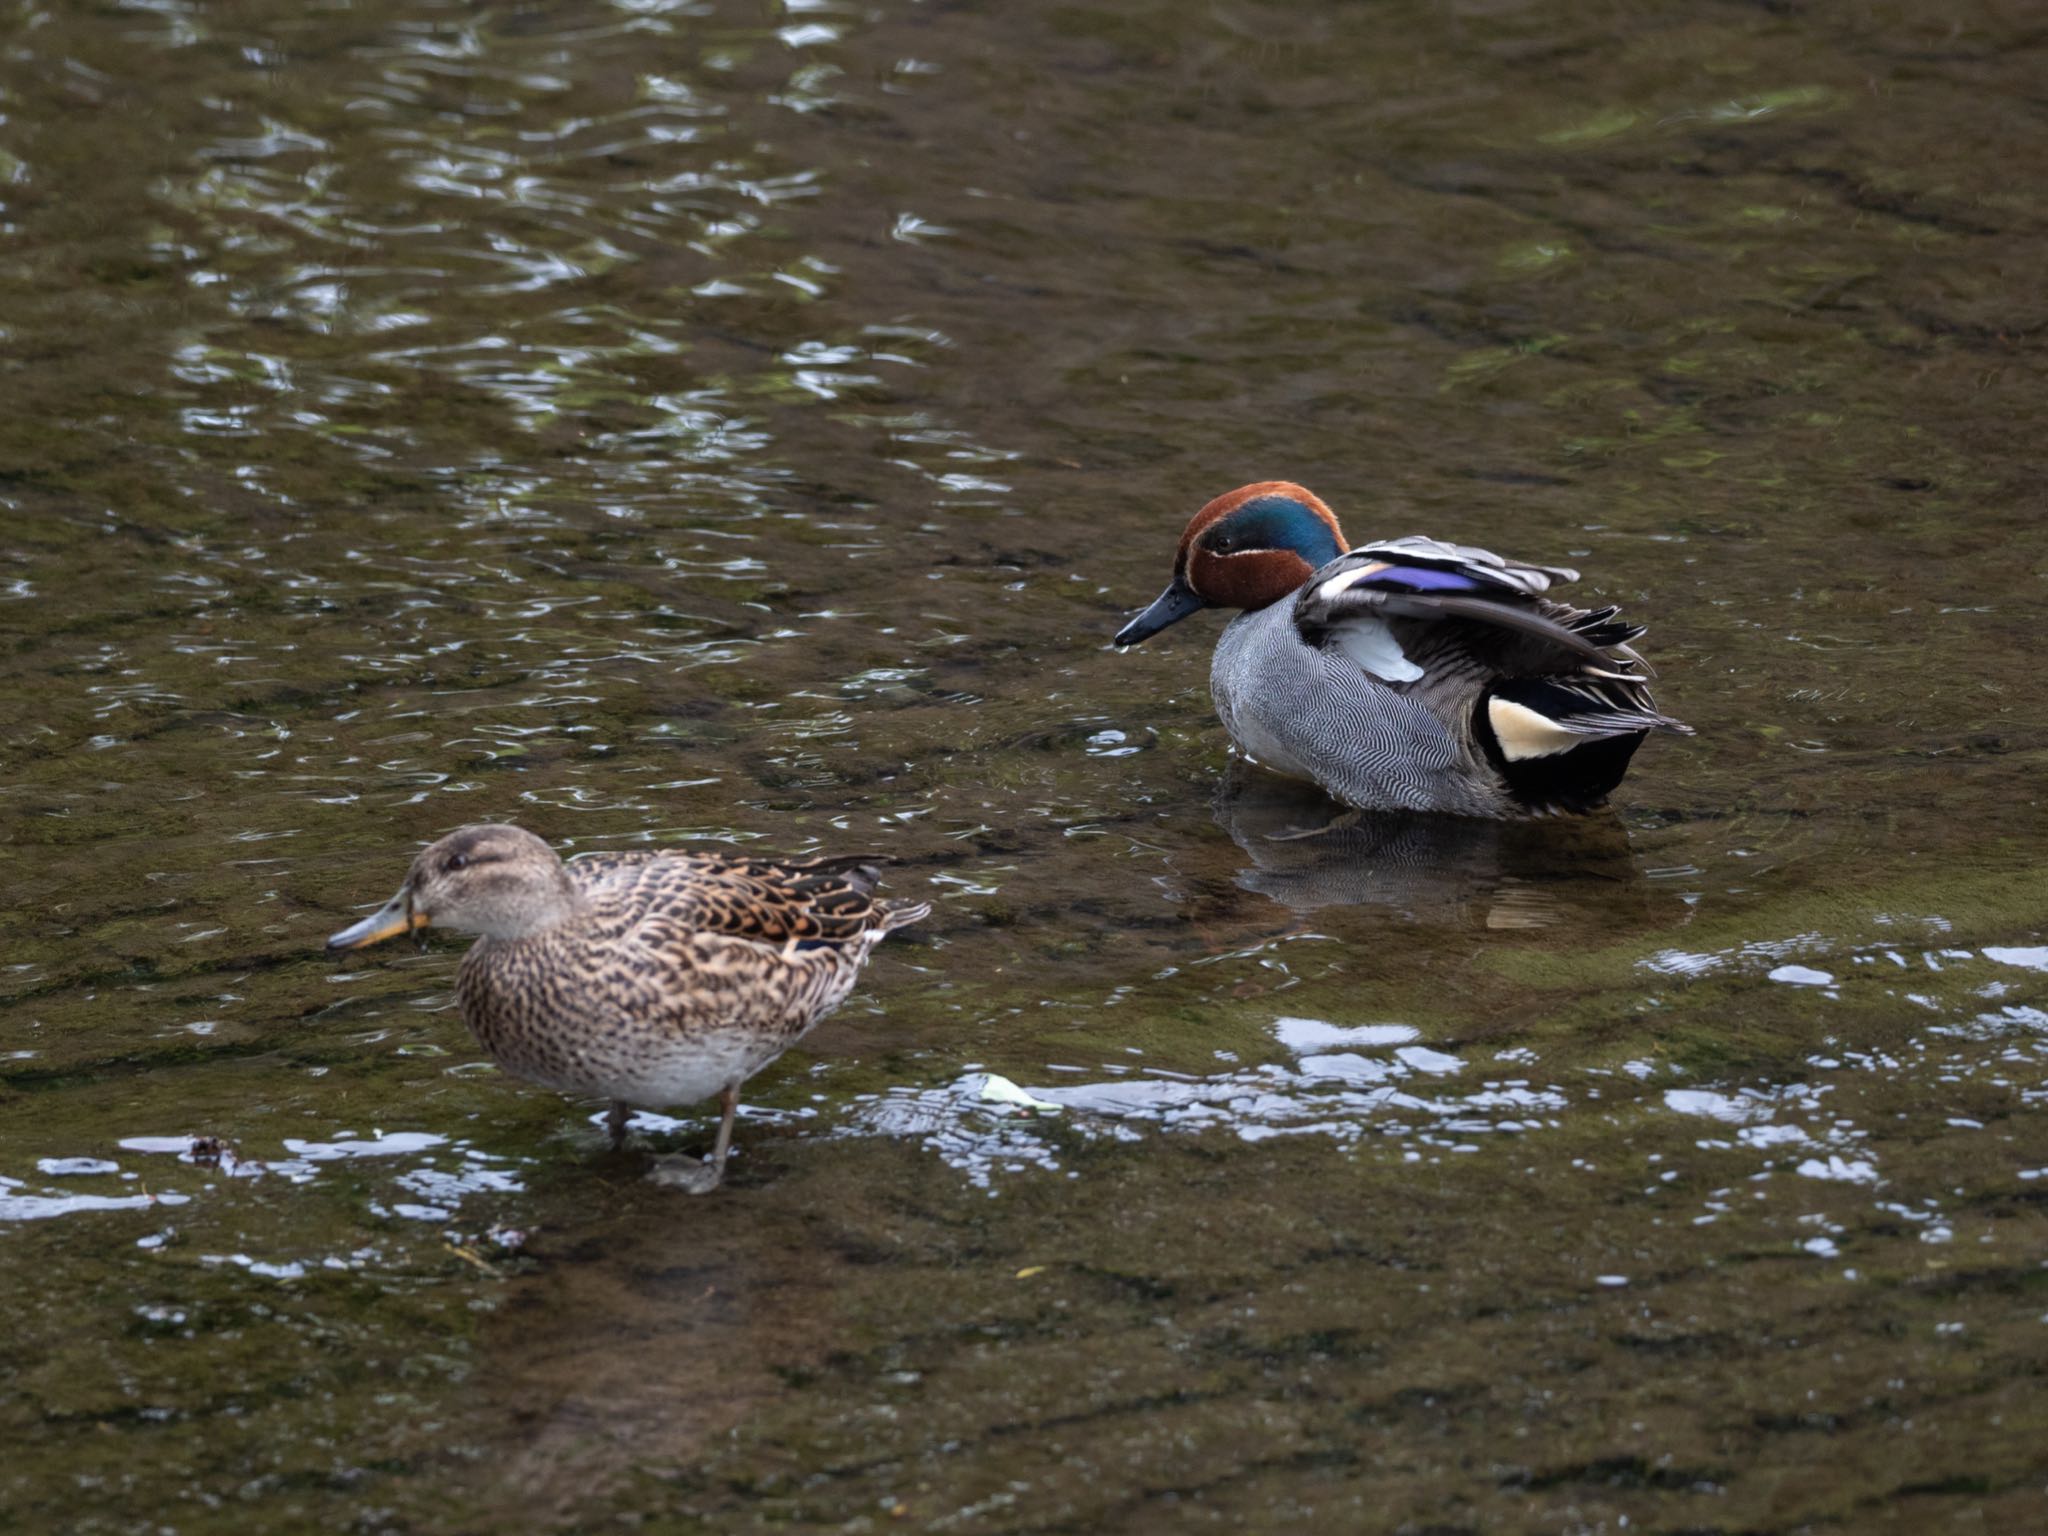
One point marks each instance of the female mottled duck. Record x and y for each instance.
(650, 979)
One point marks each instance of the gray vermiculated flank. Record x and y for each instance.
(1315, 714)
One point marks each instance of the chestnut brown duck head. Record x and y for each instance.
(1246, 549)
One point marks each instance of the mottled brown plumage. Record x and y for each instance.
(651, 979)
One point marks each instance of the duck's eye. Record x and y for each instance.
(456, 861)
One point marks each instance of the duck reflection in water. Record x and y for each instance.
(1309, 852)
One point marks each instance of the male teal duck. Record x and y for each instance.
(1409, 674)
(650, 979)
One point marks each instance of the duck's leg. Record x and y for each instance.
(688, 1173)
(729, 1106)
(1335, 824)
(615, 1122)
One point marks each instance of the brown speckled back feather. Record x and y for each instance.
(828, 900)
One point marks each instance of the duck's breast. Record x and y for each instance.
(653, 1028)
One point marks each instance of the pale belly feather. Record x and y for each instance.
(621, 1041)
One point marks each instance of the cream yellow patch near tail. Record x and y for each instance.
(1523, 733)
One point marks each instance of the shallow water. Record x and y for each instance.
(669, 422)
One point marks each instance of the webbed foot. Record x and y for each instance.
(692, 1175)
(689, 1174)
(1343, 821)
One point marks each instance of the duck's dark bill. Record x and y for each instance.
(1170, 607)
(387, 922)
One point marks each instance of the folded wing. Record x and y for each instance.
(1470, 630)
(804, 903)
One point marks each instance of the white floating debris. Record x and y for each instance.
(15, 1206)
(1726, 1108)
(997, 1089)
(292, 1269)
(1680, 962)
(1839, 1170)
(1612, 1282)
(1761, 1136)
(2028, 959)
(1349, 1067)
(177, 1146)
(1802, 976)
(1315, 1035)
(60, 1166)
(376, 1145)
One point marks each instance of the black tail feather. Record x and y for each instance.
(1613, 717)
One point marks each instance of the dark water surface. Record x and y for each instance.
(666, 422)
